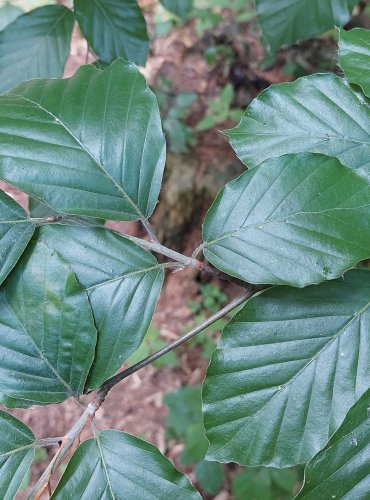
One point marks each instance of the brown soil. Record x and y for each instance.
(136, 405)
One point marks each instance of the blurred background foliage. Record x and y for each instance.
(206, 64)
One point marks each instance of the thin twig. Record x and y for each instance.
(110, 383)
(67, 441)
(52, 219)
(161, 249)
(156, 247)
(42, 484)
(149, 230)
(49, 441)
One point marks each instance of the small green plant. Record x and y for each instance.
(211, 300)
(151, 344)
(220, 110)
(175, 109)
(210, 13)
(265, 484)
(289, 382)
(218, 52)
(184, 423)
(165, 21)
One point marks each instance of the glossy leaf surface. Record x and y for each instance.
(288, 368)
(342, 468)
(181, 8)
(116, 465)
(47, 333)
(317, 114)
(354, 57)
(16, 230)
(35, 45)
(284, 22)
(17, 448)
(114, 28)
(89, 145)
(297, 219)
(123, 282)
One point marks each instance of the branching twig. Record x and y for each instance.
(154, 246)
(68, 440)
(49, 441)
(149, 230)
(110, 383)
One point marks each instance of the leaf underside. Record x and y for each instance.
(116, 465)
(317, 114)
(35, 45)
(296, 220)
(89, 145)
(123, 282)
(289, 366)
(16, 453)
(47, 333)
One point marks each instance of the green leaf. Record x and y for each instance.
(342, 468)
(289, 366)
(317, 114)
(264, 484)
(17, 449)
(185, 409)
(196, 443)
(284, 22)
(40, 210)
(227, 96)
(35, 45)
(297, 219)
(152, 343)
(206, 123)
(253, 484)
(117, 465)
(47, 333)
(16, 230)
(185, 421)
(354, 57)
(8, 14)
(210, 476)
(114, 28)
(123, 282)
(181, 8)
(285, 479)
(89, 145)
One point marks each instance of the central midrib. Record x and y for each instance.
(260, 225)
(37, 349)
(87, 151)
(294, 377)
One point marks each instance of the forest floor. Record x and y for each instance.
(136, 405)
